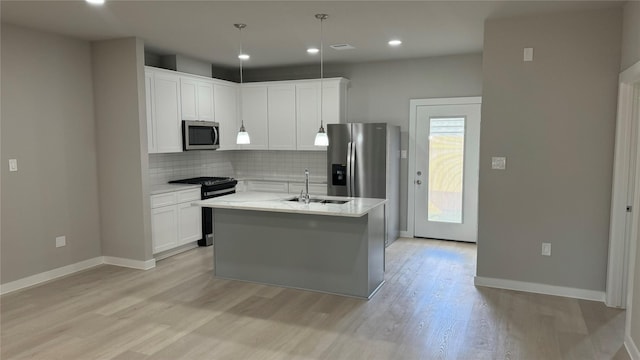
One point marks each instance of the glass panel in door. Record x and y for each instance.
(446, 169)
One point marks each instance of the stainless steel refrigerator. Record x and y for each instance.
(363, 160)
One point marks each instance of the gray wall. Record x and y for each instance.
(554, 120)
(380, 91)
(118, 82)
(47, 124)
(631, 34)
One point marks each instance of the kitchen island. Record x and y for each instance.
(327, 247)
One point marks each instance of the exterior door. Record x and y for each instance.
(447, 147)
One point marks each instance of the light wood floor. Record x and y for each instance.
(428, 309)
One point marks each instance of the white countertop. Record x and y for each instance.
(297, 179)
(165, 188)
(260, 201)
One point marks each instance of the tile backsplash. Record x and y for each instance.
(242, 164)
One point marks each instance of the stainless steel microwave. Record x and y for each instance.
(200, 135)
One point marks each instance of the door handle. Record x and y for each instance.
(419, 182)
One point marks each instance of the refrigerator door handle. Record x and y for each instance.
(354, 160)
(349, 170)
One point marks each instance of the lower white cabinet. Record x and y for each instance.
(174, 221)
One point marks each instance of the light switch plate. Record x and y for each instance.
(13, 165)
(528, 54)
(546, 249)
(403, 154)
(498, 163)
(61, 241)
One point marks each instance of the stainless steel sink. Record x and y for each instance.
(322, 201)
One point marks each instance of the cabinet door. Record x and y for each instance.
(189, 99)
(205, 101)
(308, 115)
(226, 114)
(254, 114)
(282, 117)
(166, 100)
(164, 228)
(189, 223)
(151, 125)
(308, 110)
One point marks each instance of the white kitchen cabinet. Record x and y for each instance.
(164, 228)
(196, 99)
(189, 223)
(314, 189)
(267, 186)
(281, 114)
(174, 221)
(226, 113)
(254, 113)
(308, 109)
(151, 126)
(165, 119)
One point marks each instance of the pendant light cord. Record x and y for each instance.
(321, 68)
(241, 80)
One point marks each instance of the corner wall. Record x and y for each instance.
(48, 126)
(630, 34)
(554, 120)
(118, 80)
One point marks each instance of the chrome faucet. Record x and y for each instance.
(305, 197)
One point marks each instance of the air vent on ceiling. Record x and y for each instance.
(341, 47)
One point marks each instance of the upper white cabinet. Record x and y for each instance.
(226, 113)
(281, 113)
(165, 112)
(254, 113)
(278, 115)
(196, 97)
(308, 109)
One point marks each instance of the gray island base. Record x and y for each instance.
(337, 254)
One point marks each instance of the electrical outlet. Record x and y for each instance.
(546, 249)
(498, 163)
(528, 54)
(61, 241)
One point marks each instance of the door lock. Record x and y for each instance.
(419, 173)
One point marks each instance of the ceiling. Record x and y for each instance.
(278, 32)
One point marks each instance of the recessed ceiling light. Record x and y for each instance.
(313, 50)
(395, 42)
(95, 2)
(243, 57)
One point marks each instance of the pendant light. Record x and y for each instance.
(243, 135)
(321, 137)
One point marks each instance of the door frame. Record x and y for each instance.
(620, 266)
(413, 120)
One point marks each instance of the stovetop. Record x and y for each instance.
(205, 180)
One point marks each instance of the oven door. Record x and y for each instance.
(207, 214)
(200, 135)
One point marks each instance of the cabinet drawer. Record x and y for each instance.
(163, 200)
(188, 195)
(314, 189)
(268, 186)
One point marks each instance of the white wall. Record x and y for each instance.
(630, 34)
(48, 126)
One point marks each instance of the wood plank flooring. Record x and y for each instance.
(427, 309)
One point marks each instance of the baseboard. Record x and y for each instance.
(49, 275)
(406, 234)
(130, 263)
(540, 288)
(631, 347)
(176, 251)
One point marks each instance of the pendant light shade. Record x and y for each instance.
(321, 137)
(243, 135)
